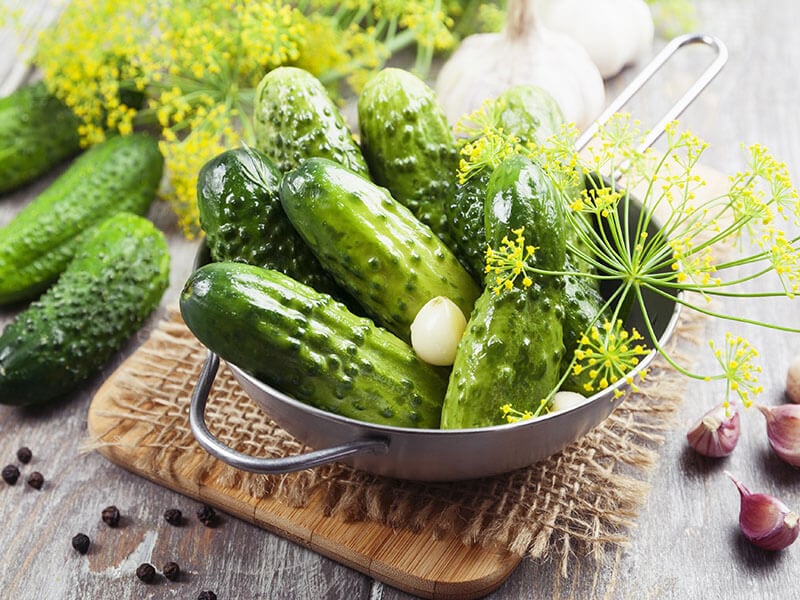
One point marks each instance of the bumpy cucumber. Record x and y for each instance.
(532, 116)
(36, 133)
(238, 196)
(295, 118)
(373, 246)
(310, 346)
(512, 349)
(408, 145)
(103, 297)
(121, 174)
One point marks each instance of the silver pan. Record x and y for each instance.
(446, 455)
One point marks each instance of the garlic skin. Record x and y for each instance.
(793, 380)
(525, 52)
(615, 33)
(716, 433)
(766, 521)
(783, 431)
(436, 331)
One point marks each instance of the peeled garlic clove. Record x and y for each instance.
(766, 521)
(716, 433)
(793, 380)
(783, 431)
(564, 400)
(436, 331)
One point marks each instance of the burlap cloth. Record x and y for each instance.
(584, 499)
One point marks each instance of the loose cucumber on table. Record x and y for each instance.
(294, 118)
(238, 197)
(120, 174)
(309, 346)
(116, 279)
(408, 145)
(37, 132)
(512, 348)
(373, 246)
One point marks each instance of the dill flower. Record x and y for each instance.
(174, 66)
(738, 369)
(513, 415)
(506, 264)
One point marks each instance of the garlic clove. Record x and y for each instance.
(793, 380)
(783, 431)
(764, 520)
(436, 331)
(716, 433)
(564, 400)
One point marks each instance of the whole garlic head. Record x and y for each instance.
(615, 33)
(525, 52)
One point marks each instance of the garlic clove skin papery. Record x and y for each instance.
(764, 520)
(716, 433)
(486, 64)
(783, 431)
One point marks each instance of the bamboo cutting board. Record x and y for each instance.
(415, 561)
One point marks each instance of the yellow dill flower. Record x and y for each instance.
(509, 262)
(740, 373)
(607, 354)
(513, 415)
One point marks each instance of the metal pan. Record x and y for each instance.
(446, 455)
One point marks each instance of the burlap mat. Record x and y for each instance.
(584, 499)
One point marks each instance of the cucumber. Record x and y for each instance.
(512, 348)
(310, 346)
(294, 118)
(238, 196)
(37, 132)
(530, 113)
(120, 174)
(116, 279)
(466, 222)
(408, 145)
(373, 246)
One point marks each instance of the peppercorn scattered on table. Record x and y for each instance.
(75, 525)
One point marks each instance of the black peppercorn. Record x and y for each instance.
(207, 595)
(171, 571)
(81, 543)
(10, 474)
(207, 515)
(110, 516)
(24, 455)
(173, 516)
(36, 480)
(146, 572)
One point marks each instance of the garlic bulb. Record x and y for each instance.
(716, 433)
(783, 431)
(766, 521)
(525, 52)
(615, 33)
(436, 331)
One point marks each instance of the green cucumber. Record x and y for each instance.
(467, 225)
(530, 113)
(408, 145)
(120, 174)
(294, 118)
(238, 196)
(512, 348)
(309, 346)
(37, 132)
(116, 279)
(373, 246)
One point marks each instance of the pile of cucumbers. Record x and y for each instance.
(324, 249)
(81, 260)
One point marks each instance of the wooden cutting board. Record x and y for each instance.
(414, 561)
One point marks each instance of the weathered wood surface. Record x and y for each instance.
(685, 546)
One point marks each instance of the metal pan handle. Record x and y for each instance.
(270, 466)
(721, 57)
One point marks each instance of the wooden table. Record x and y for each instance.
(686, 544)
